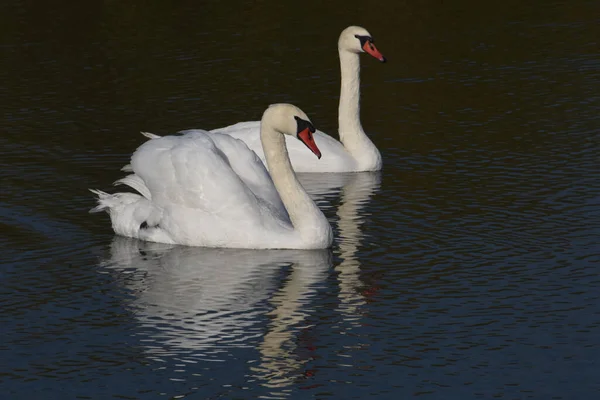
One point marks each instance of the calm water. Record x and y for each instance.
(468, 268)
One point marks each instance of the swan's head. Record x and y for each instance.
(358, 40)
(290, 120)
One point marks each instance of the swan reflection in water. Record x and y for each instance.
(196, 303)
(355, 191)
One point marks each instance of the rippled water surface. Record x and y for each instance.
(468, 268)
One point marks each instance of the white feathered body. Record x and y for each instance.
(202, 189)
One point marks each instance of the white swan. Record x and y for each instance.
(356, 152)
(209, 189)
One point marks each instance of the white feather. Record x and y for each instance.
(150, 135)
(136, 183)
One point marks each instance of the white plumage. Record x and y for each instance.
(209, 189)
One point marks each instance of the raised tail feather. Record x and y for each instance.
(135, 182)
(105, 201)
(108, 202)
(150, 135)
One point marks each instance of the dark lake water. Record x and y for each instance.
(469, 268)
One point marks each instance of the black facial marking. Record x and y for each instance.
(303, 124)
(364, 39)
(144, 225)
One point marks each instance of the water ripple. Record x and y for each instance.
(468, 268)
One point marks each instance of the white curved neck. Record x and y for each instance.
(306, 217)
(352, 135)
(349, 108)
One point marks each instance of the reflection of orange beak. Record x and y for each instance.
(370, 48)
(307, 138)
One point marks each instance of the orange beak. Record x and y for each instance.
(370, 48)
(307, 138)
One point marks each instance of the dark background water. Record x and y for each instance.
(469, 268)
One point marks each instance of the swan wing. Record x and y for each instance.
(198, 189)
(248, 167)
(193, 179)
